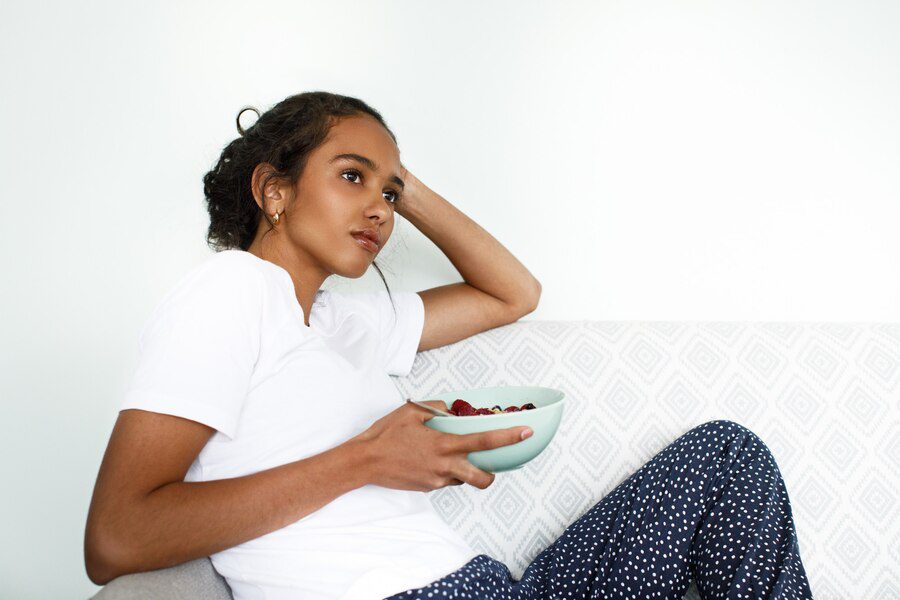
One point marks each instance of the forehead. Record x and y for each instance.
(362, 135)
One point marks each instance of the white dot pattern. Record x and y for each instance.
(711, 506)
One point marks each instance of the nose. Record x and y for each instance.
(379, 207)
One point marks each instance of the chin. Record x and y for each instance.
(356, 271)
(352, 275)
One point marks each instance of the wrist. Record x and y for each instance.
(406, 207)
(415, 196)
(419, 206)
(358, 461)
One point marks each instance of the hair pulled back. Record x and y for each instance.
(284, 136)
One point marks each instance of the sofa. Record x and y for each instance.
(824, 397)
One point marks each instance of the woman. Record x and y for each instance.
(262, 429)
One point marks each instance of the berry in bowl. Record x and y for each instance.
(484, 409)
(461, 408)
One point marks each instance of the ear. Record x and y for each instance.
(272, 199)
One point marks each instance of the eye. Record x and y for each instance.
(354, 172)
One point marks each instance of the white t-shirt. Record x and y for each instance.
(228, 347)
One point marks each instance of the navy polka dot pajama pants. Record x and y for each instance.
(711, 506)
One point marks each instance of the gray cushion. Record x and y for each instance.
(196, 580)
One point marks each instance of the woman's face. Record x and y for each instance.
(337, 196)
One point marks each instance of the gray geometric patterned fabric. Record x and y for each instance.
(824, 397)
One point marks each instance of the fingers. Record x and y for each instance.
(486, 440)
(460, 469)
(468, 473)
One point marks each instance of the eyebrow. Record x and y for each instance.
(368, 162)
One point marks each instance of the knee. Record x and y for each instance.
(729, 431)
(722, 426)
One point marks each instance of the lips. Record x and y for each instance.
(372, 234)
(365, 242)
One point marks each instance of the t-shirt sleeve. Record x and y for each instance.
(401, 335)
(198, 350)
(396, 337)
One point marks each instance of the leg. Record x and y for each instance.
(711, 505)
(746, 542)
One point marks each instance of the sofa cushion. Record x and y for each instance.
(195, 579)
(822, 396)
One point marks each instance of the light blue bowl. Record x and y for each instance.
(543, 420)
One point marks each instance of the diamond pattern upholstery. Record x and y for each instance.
(825, 397)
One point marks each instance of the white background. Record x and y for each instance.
(690, 160)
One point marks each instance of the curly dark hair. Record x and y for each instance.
(284, 136)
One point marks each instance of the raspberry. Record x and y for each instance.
(459, 403)
(461, 408)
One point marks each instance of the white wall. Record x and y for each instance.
(646, 161)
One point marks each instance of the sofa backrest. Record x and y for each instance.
(824, 397)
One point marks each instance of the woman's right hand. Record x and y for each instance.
(408, 455)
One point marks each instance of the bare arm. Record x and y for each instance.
(484, 263)
(143, 516)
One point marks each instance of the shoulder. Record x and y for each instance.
(231, 264)
(228, 267)
(227, 278)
